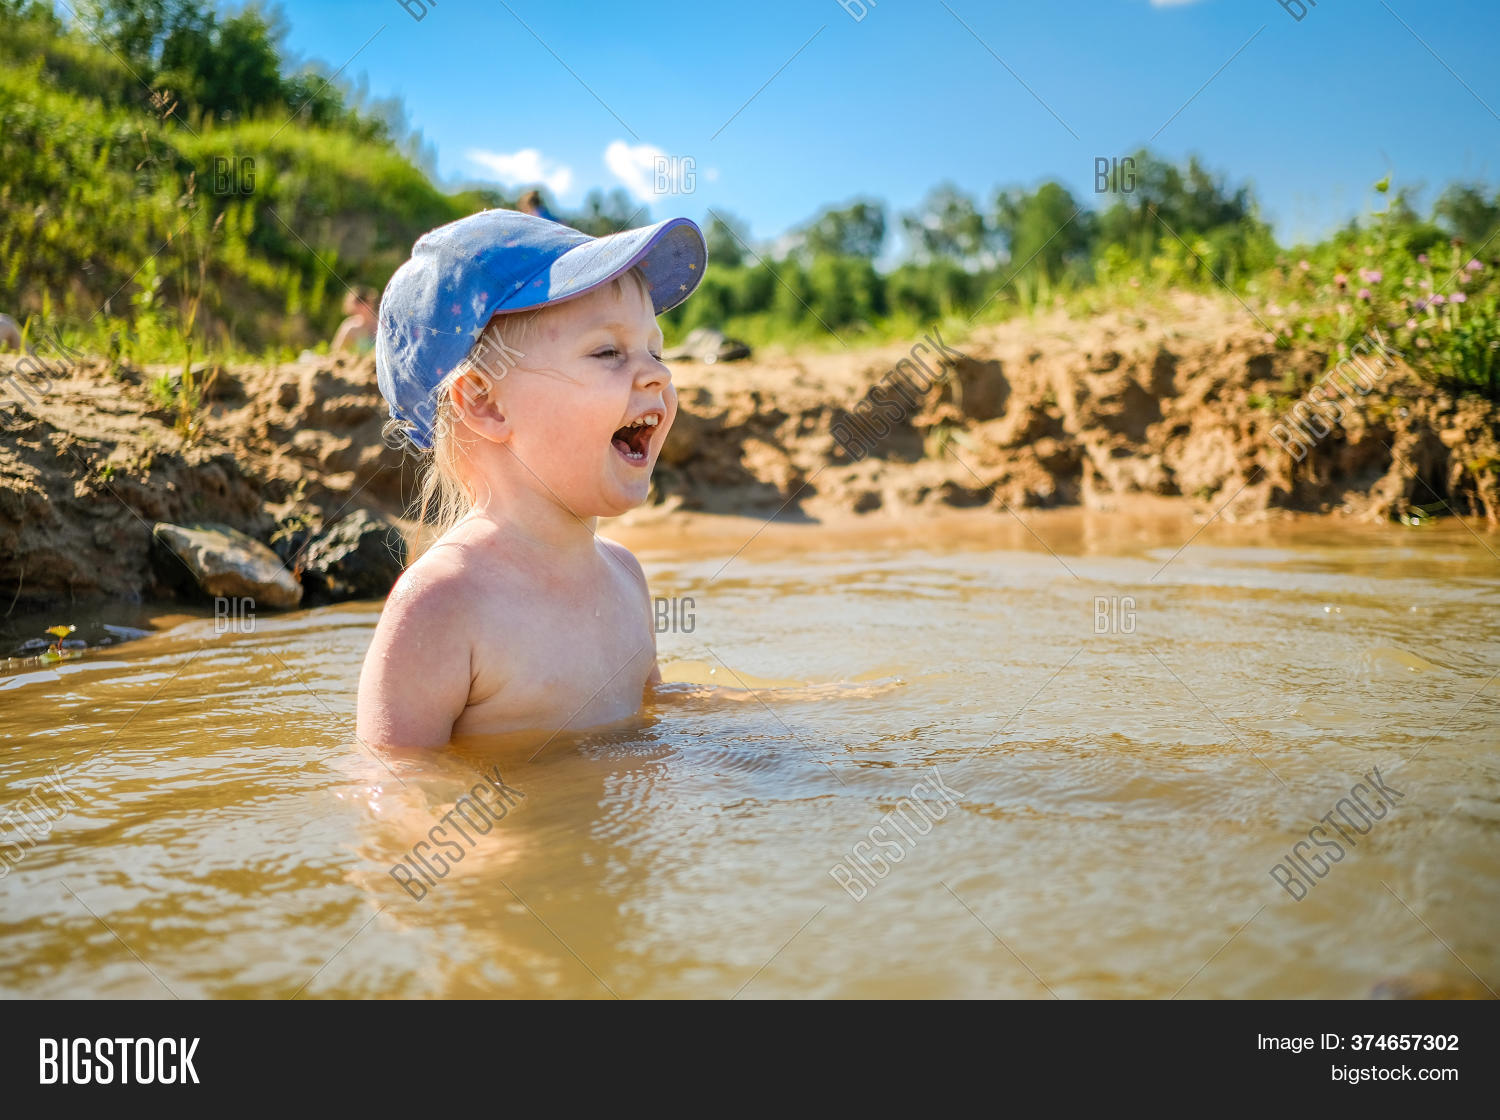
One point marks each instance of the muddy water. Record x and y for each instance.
(1131, 734)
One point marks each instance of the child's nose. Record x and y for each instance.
(652, 373)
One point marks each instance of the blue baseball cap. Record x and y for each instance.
(460, 274)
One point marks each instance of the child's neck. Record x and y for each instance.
(538, 518)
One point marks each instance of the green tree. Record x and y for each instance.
(605, 214)
(711, 305)
(1177, 210)
(844, 290)
(932, 288)
(1465, 211)
(1046, 229)
(753, 287)
(947, 226)
(140, 29)
(1190, 200)
(227, 69)
(856, 230)
(727, 237)
(793, 296)
(227, 66)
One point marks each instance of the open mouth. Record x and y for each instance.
(634, 439)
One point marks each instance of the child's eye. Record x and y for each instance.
(615, 352)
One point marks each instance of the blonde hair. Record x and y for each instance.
(444, 496)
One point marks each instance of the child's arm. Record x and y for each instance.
(417, 671)
(341, 336)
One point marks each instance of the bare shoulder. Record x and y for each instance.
(419, 668)
(625, 559)
(432, 590)
(617, 552)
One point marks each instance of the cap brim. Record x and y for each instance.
(672, 254)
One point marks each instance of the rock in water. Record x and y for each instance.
(705, 344)
(223, 562)
(360, 557)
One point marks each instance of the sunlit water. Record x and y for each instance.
(1126, 774)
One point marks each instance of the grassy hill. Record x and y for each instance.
(120, 203)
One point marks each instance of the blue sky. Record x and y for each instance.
(783, 107)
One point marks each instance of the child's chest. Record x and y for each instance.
(576, 658)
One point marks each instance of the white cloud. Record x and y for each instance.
(647, 172)
(635, 167)
(526, 168)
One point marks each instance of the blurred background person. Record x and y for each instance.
(10, 334)
(356, 334)
(531, 203)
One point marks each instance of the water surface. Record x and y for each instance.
(1137, 732)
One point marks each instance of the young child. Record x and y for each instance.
(10, 334)
(525, 358)
(356, 334)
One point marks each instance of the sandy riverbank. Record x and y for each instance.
(1050, 412)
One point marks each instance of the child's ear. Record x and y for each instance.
(476, 400)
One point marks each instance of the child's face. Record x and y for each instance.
(589, 374)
